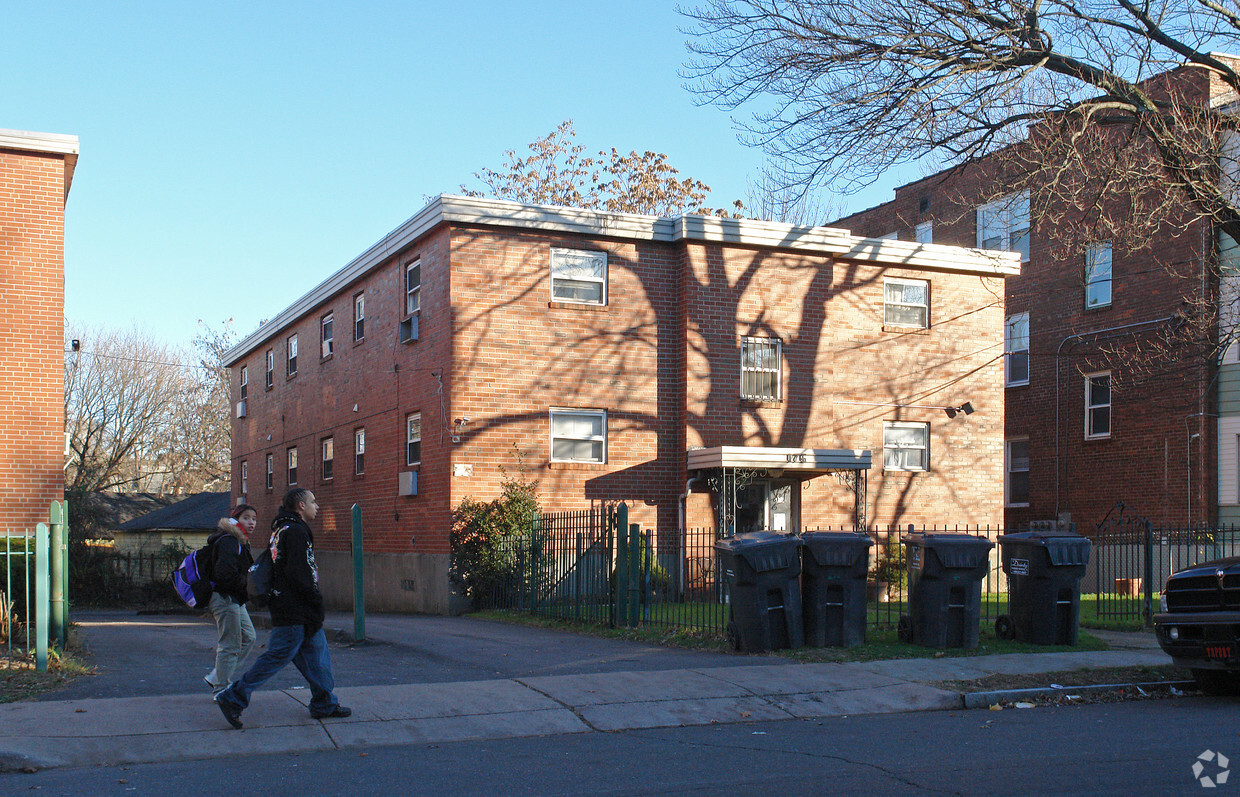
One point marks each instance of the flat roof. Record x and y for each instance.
(814, 460)
(476, 211)
(53, 143)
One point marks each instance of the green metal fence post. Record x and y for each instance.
(64, 587)
(42, 595)
(57, 608)
(620, 595)
(359, 586)
(635, 570)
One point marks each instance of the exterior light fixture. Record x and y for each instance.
(966, 408)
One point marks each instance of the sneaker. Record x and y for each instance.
(231, 712)
(206, 679)
(339, 712)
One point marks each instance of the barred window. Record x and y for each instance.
(761, 360)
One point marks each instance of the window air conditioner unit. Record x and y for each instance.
(409, 329)
(408, 483)
(241, 408)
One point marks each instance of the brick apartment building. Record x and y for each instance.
(36, 170)
(1084, 430)
(618, 357)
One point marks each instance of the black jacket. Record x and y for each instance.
(295, 596)
(230, 562)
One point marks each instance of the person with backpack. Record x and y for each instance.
(296, 617)
(230, 565)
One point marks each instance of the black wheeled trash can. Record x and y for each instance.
(833, 571)
(764, 604)
(1044, 570)
(945, 573)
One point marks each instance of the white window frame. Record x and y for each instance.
(413, 286)
(924, 233)
(925, 450)
(1014, 344)
(245, 383)
(1091, 406)
(767, 343)
(894, 235)
(327, 335)
(601, 439)
(271, 472)
(359, 316)
(271, 368)
(245, 477)
(327, 466)
(292, 466)
(412, 436)
(1009, 467)
(1004, 224)
(359, 451)
(570, 260)
(1096, 255)
(887, 322)
(290, 366)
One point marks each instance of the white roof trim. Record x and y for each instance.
(786, 459)
(499, 213)
(39, 142)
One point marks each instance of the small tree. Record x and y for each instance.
(486, 537)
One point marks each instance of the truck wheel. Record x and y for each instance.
(1217, 682)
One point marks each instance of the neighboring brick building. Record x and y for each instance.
(36, 170)
(1084, 432)
(616, 357)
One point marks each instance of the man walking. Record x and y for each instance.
(296, 617)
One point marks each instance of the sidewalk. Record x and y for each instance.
(176, 727)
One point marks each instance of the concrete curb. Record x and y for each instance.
(987, 699)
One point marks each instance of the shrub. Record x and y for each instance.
(485, 540)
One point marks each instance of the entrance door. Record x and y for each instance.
(767, 505)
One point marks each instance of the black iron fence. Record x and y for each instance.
(593, 566)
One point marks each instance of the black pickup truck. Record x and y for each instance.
(1199, 625)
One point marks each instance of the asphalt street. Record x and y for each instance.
(1147, 747)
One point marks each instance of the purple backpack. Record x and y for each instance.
(192, 579)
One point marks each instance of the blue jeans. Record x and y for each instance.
(309, 655)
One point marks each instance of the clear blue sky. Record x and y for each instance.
(234, 154)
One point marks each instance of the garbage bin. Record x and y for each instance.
(833, 570)
(945, 573)
(1044, 571)
(761, 569)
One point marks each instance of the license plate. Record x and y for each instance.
(1221, 651)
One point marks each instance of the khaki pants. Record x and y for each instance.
(236, 639)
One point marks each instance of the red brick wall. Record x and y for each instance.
(32, 440)
(1145, 461)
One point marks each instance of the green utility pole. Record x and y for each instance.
(359, 587)
(57, 609)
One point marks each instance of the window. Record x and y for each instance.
(906, 446)
(1016, 349)
(245, 382)
(1098, 274)
(270, 472)
(292, 466)
(327, 322)
(292, 355)
(359, 451)
(413, 287)
(924, 233)
(889, 236)
(760, 369)
(329, 457)
(413, 438)
(906, 303)
(1004, 224)
(245, 477)
(578, 276)
(578, 436)
(1098, 405)
(271, 368)
(359, 316)
(1016, 472)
